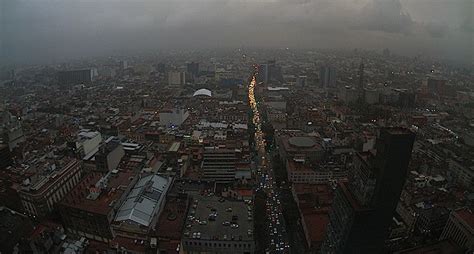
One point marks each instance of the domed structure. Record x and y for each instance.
(203, 92)
(302, 142)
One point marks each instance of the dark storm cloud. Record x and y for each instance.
(385, 16)
(58, 29)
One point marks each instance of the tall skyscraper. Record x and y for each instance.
(269, 72)
(363, 208)
(263, 73)
(193, 69)
(77, 76)
(327, 76)
(176, 78)
(360, 85)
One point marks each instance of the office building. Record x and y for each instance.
(219, 165)
(327, 76)
(5, 156)
(76, 76)
(87, 143)
(41, 192)
(176, 78)
(193, 69)
(269, 72)
(89, 209)
(363, 208)
(360, 84)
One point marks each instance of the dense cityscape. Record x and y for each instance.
(238, 151)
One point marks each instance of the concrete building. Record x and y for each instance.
(5, 156)
(11, 131)
(41, 192)
(109, 155)
(77, 76)
(89, 209)
(176, 78)
(299, 148)
(87, 142)
(219, 165)
(460, 228)
(301, 172)
(193, 69)
(327, 76)
(215, 226)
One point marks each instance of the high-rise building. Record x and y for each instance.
(269, 72)
(327, 76)
(109, 155)
(193, 69)
(160, 67)
(219, 165)
(5, 156)
(263, 73)
(360, 85)
(176, 78)
(77, 76)
(363, 208)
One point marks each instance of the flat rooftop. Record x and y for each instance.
(105, 201)
(202, 207)
(171, 222)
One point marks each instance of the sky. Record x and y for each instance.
(53, 30)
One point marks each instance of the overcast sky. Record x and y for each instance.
(33, 30)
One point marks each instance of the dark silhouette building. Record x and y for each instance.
(360, 84)
(327, 76)
(5, 157)
(363, 208)
(76, 76)
(193, 69)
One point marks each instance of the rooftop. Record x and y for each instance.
(301, 142)
(171, 221)
(199, 220)
(107, 195)
(203, 92)
(143, 200)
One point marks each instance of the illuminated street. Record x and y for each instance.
(278, 240)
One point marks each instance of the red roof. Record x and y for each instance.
(171, 221)
(316, 224)
(467, 216)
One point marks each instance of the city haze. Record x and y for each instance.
(49, 31)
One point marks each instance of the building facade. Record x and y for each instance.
(363, 208)
(40, 197)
